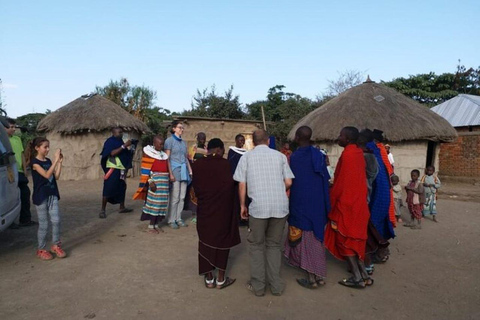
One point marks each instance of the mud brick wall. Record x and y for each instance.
(462, 157)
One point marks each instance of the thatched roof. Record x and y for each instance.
(376, 106)
(90, 113)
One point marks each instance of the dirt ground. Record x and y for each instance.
(115, 270)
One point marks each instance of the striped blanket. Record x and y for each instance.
(157, 201)
(147, 163)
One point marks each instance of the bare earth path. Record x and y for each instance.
(117, 271)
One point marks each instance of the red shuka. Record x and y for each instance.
(388, 165)
(346, 230)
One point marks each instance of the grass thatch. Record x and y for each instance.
(375, 106)
(90, 113)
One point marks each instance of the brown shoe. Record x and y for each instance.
(44, 255)
(57, 250)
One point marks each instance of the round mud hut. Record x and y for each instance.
(81, 127)
(412, 130)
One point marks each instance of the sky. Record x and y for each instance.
(52, 52)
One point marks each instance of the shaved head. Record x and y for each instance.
(157, 138)
(352, 134)
(260, 136)
(303, 134)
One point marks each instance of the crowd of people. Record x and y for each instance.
(352, 216)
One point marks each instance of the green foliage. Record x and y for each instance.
(432, 89)
(135, 99)
(28, 126)
(154, 118)
(209, 104)
(282, 109)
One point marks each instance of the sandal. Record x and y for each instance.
(102, 215)
(210, 284)
(370, 269)
(226, 282)
(152, 231)
(307, 284)
(350, 282)
(368, 282)
(125, 210)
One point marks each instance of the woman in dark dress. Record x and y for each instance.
(217, 225)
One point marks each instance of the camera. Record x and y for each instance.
(134, 145)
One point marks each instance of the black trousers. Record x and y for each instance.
(25, 214)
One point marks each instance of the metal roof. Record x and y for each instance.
(461, 111)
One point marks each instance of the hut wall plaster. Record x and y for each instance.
(82, 153)
(407, 155)
(215, 128)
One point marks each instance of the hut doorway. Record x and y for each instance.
(431, 153)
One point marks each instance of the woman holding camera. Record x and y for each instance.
(116, 160)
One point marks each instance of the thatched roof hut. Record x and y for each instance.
(411, 128)
(81, 127)
(374, 105)
(90, 113)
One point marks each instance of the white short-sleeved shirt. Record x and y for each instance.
(390, 158)
(264, 171)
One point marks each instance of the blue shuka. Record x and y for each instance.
(380, 197)
(114, 187)
(309, 197)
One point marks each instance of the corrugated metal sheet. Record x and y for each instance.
(461, 111)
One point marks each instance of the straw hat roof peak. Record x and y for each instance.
(90, 112)
(376, 106)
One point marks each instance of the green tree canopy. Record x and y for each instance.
(135, 99)
(282, 109)
(432, 89)
(207, 103)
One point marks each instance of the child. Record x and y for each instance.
(397, 197)
(415, 200)
(431, 184)
(45, 195)
(154, 184)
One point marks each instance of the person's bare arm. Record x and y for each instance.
(24, 167)
(288, 183)
(115, 152)
(189, 167)
(242, 194)
(58, 167)
(48, 173)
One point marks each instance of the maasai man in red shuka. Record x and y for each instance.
(217, 224)
(346, 230)
(154, 184)
(378, 136)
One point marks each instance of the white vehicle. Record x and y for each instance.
(9, 192)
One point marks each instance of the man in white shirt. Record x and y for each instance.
(390, 155)
(266, 174)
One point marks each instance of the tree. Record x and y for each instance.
(431, 89)
(209, 104)
(467, 80)
(135, 99)
(28, 125)
(346, 80)
(282, 109)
